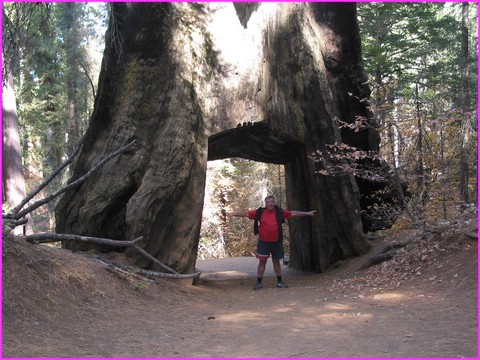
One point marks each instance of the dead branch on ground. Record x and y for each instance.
(52, 237)
(47, 181)
(113, 265)
(99, 164)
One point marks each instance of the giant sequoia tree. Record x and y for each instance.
(197, 82)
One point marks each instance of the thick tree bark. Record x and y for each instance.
(144, 94)
(197, 82)
(314, 64)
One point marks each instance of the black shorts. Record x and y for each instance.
(265, 248)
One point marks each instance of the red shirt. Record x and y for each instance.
(268, 227)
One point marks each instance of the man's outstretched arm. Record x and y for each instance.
(303, 213)
(238, 213)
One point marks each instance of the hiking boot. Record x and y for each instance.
(282, 285)
(257, 286)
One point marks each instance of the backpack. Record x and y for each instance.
(280, 220)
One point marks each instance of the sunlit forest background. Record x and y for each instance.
(421, 61)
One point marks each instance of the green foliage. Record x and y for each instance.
(54, 82)
(412, 54)
(52, 49)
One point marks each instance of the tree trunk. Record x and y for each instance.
(13, 179)
(145, 93)
(421, 181)
(197, 82)
(465, 129)
(71, 43)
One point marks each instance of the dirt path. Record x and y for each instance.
(58, 304)
(313, 319)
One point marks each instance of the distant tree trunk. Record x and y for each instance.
(13, 179)
(465, 129)
(70, 25)
(19, 22)
(194, 82)
(443, 168)
(421, 185)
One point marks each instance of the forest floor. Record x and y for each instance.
(420, 303)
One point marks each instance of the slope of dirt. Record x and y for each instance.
(420, 303)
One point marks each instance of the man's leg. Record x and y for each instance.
(278, 271)
(277, 254)
(262, 264)
(262, 255)
(277, 267)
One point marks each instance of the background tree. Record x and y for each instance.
(20, 25)
(465, 104)
(52, 49)
(413, 56)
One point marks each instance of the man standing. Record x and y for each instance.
(270, 237)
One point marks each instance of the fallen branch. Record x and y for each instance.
(73, 184)
(194, 275)
(14, 223)
(52, 237)
(130, 268)
(47, 181)
(125, 274)
(150, 257)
